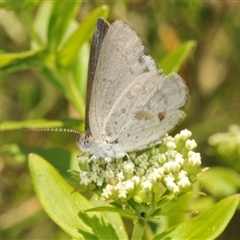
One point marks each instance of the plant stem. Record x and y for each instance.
(138, 229)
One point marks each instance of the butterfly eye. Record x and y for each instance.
(87, 142)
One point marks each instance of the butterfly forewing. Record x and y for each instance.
(121, 60)
(96, 44)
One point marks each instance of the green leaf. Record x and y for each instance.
(221, 181)
(23, 5)
(10, 59)
(60, 158)
(114, 219)
(174, 60)
(64, 207)
(207, 225)
(62, 13)
(70, 50)
(67, 85)
(113, 210)
(37, 123)
(80, 69)
(40, 24)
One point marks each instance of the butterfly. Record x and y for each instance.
(130, 104)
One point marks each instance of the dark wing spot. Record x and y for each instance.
(141, 59)
(130, 95)
(146, 69)
(123, 110)
(161, 116)
(131, 71)
(143, 115)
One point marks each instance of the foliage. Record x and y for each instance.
(45, 57)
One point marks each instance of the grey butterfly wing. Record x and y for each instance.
(146, 110)
(121, 60)
(96, 44)
(144, 136)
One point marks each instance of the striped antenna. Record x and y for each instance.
(51, 130)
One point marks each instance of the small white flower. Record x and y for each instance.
(182, 174)
(93, 178)
(136, 180)
(184, 183)
(185, 134)
(109, 173)
(190, 144)
(146, 186)
(179, 159)
(144, 164)
(169, 179)
(171, 185)
(171, 167)
(140, 171)
(107, 191)
(171, 154)
(161, 158)
(194, 158)
(99, 182)
(122, 193)
(128, 167)
(155, 176)
(84, 178)
(120, 176)
(171, 145)
(129, 185)
(177, 137)
(105, 194)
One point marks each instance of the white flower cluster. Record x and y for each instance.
(169, 169)
(227, 143)
(226, 146)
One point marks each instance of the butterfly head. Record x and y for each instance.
(85, 142)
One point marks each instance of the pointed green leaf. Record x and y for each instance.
(173, 61)
(39, 123)
(207, 225)
(65, 208)
(70, 50)
(10, 59)
(221, 181)
(114, 218)
(41, 23)
(64, 159)
(63, 12)
(80, 69)
(23, 5)
(112, 209)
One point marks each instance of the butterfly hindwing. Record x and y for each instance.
(150, 112)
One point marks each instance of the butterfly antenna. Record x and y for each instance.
(51, 130)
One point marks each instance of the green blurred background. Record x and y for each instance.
(212, 72)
